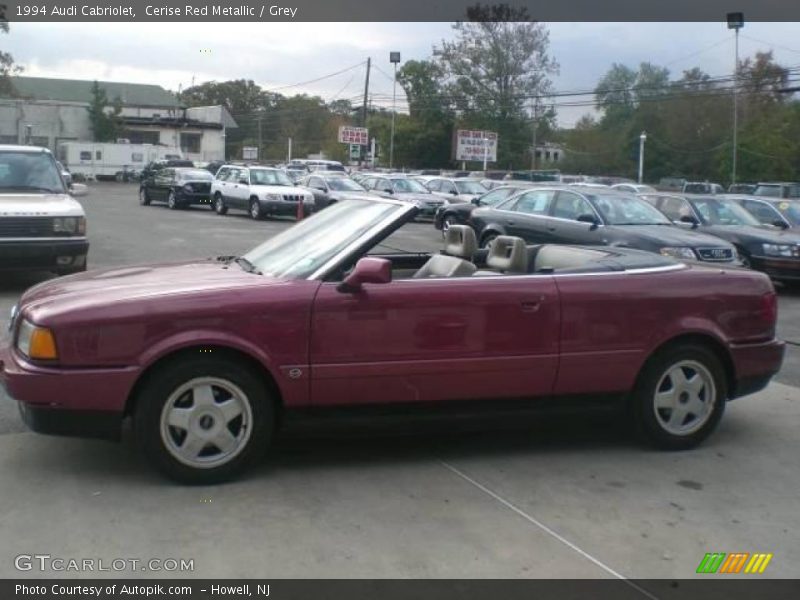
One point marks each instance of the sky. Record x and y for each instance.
(279, 55)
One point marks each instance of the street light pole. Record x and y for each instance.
(394, 58)
(735, 22)
(642, 139)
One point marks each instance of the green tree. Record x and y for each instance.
(7, 68)
(106, 126)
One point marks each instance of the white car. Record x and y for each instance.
(42, 227)
(261, 191)
(634, 188)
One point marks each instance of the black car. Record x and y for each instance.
(594, 217)
(178, 187)
(458, 213)
(330, 187)
(760, 247)
(214, 166)
(778, 212)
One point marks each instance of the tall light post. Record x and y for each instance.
(394, 58)
(735, 22)
(642, 139)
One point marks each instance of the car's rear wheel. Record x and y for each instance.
(680, 397)
(219, 204)
(144, 197)
(202, 420)
(255, 209)
(172, 201)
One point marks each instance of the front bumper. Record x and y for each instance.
(282, 207)
(755, 365)
(79, 402)
(43, 254)
(777, 268)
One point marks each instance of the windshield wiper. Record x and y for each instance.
(247, 266)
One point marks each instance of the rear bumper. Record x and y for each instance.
(755, 365)
(43, 254)
(194, 197)
(81, 402)
(777, 268)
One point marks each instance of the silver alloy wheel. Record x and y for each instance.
(206, 422)
(218, 206)
(255, 209)
(171, 201)
(142, 196)
(684, 398)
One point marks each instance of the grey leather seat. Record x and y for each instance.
(507, 254)
(460, 244)
(553, 257)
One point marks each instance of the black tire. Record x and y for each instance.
(173, 203)
(218, 205)
(655, 380)
(255, 210)
(160, 385)
(144, 197)
(487, 239)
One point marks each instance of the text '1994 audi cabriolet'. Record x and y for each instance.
(208, 358)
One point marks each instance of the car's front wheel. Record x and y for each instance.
(202, 420)
(144, 197)
(255, 209)
(172, 201)
(680, 397)
(219, 204)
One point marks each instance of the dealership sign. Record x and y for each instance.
(476, 145)
(353, 135)
(249, 153)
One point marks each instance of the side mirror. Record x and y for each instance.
(587, 218)
(476, 201)
(688, 219)
(388, 190)
(320, 188)
(367, 270)
(78, 190)
(454, 192)
(780, 224)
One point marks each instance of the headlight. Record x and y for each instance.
(785, 250)
(187, 188)
(273, 197)
(71, 225)
(12, 317)
(36, 342)
(679, 252)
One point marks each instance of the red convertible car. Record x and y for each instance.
(209, 357)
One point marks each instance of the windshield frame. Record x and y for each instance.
(399, 213)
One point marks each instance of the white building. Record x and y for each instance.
(48, 111)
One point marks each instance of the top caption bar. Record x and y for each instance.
(394, 10)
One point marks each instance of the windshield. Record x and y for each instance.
(299, 251)
(409, 186)
(773, 191)
(29, 172)
(628, 210)
(269, 177)
(344, 184)
(470, 187)
(719, 211)
(195, 175)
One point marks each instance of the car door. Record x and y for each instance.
(239, 187)
(161, 183)
(563, 227)
(527, 217)
(429, 340)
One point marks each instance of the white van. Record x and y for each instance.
(42, 227)
(92, 160)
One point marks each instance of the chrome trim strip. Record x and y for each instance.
(68, 238)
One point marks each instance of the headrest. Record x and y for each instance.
(508, 254)
(460, 241)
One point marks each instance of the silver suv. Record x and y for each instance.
(261, 191)
(41, 226)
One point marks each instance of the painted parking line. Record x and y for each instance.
(551, 532)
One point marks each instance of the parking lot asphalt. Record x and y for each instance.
(561, 498)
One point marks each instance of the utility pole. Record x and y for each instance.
(364, 112)
(535, 112)
(259, 155)
(735, 22)
(394, 58)
(289, 158)
(642, 139)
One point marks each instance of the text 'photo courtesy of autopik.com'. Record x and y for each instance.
(358, 300)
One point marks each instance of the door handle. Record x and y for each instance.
(532, 305)
(509, 221)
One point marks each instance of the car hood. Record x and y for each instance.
(352, 195)
(750, 233)
(102, 287)
(668, 236)
(414, 197)
(39, 205)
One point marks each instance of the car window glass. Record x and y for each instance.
(723, 212)
(534, 203)
(675, 208)
(570, 206)
(434, 185)
(496, 196)
(761, 211)
(447, 187)
(29, 169)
